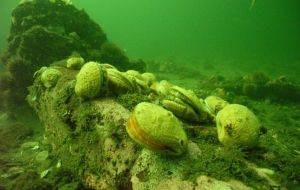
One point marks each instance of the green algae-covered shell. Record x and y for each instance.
(149, 78)
(215, 104)
(75, 63)
(157, 128)
(50, 77)
(90, 80)
(237, 126)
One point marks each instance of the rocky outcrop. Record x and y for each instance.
(44, 31)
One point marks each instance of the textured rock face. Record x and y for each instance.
(44, 31)
(87, 136)
(52, 30)
(89, 139)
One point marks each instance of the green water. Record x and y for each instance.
(213, 47)
(193, 29)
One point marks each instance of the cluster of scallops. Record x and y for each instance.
(156, 125)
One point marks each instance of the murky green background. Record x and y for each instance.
(192, 29)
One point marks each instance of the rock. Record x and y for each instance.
(209, 183)
(175, 184)
(43, 32)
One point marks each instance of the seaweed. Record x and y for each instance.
(280, 151)
(223, 164)
(31, 180)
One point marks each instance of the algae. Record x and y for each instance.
(88, 138)
(130, 100)
(85, 140)
(123, 164)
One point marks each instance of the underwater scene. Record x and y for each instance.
(143, 95)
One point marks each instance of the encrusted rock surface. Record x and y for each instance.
(88, 136)
(44, 31)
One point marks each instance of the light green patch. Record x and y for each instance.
(130, 100)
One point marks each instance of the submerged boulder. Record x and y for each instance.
(88, 136)
(44, 31)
